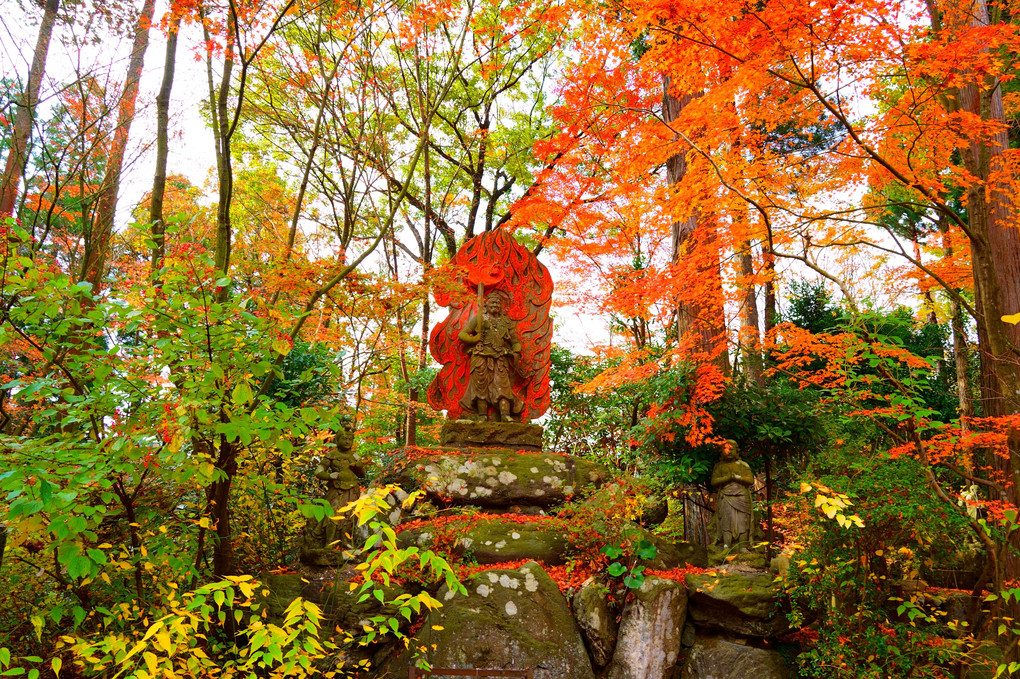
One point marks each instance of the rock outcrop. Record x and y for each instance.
(495, 540)
(717, 658)
(744, 603)
(499, 477)
(510, 619)
(649, 638)
(596, 621)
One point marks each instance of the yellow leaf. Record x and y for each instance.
(281, 346)
(163, 640)
(56, 664)
(830, 511)
(805, 487)
(1013, 319)
(438, 628)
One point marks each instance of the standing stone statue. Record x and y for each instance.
(733, 479)
(342, 472)
(493, 345)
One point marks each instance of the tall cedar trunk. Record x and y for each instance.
(102, 229)
(23, 118)
(750, 338)
(960, 358)
(961, 351)
(768, 262)
(704, 319)
(163, 143)
(995, 260)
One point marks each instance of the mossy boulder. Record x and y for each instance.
(494, 478)
(750, 604)
(509, 619)
(338, 602)
(494, 540)
(715, 658)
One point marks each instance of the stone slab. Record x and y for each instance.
(471, 433)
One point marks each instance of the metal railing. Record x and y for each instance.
(415, 673)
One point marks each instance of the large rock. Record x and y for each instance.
(649, 640)
(473, 433)
(670, 555)
(743, 603)
(496, 478)
(597, 623)
(510, 619)
(712, 658)
(338, 602)
(494, 540)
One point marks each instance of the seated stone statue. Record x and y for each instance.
(324, 540)
(733, 479)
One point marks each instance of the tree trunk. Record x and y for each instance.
(768, 261)
(17, 155)
(102, 229)
(995, 261)
(704, 318)
(961, 350)
(224, 168)
(750, 338)
(163, 143)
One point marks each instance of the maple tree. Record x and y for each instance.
(681, 162)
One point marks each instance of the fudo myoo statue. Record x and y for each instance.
(494, 347)
(494, 344)
(733, 479)
(342, 473)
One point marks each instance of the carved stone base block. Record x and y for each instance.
(474, 434)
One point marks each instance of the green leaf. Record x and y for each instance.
(242, 394)
(646, 550)
(612, 551)
(634, 581)
(79, 566)
(616, 569)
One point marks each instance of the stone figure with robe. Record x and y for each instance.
(493, 345)
(733, 478)
(342, 473)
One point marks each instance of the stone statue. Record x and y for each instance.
(494, 346)
(733, 479)
(342, 472)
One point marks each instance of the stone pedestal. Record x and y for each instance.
(482, 434)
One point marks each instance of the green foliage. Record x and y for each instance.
(634, 575)
(593, 425)
(849, 576)
(812, 308)
(774, 423)
(121, 414)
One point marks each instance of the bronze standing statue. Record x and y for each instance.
(733, 479)
(493, 345)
